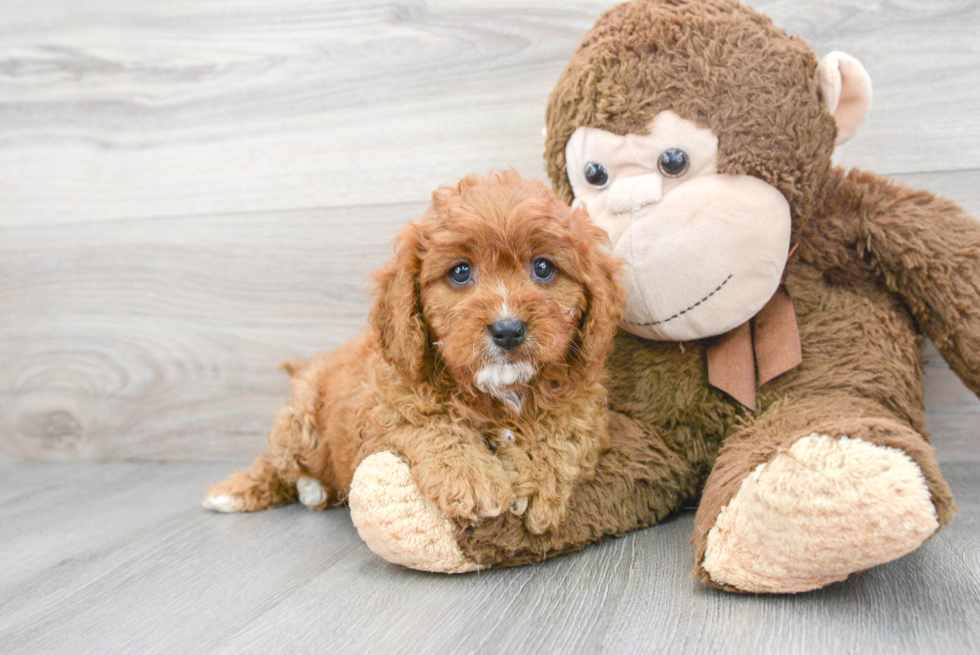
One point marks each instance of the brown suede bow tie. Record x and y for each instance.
(769, 341)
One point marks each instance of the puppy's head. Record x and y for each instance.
(498, 281)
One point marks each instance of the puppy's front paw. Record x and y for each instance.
(545, 513)
(472, 493)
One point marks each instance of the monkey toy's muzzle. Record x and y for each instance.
(712, 252)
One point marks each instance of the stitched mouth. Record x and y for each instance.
(683, 311)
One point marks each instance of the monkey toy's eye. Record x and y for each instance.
(673, 162)
(460, 273)
(596, 174)
(543, 269)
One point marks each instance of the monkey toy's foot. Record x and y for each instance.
(815, 513)
(397, 522)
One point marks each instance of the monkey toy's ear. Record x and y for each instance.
(845, 90)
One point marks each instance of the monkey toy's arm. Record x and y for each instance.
(924, 248)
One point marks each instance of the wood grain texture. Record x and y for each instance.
(118, 558)
(126, 110)
(161, 339)
(193, 192)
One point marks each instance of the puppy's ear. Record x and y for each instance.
(397, 314)
(605, 295)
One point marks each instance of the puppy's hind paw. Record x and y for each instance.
(250, 490)
(224, 503)
(311, 492)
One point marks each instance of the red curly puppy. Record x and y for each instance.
(484, 365)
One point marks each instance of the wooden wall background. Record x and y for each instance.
(194, 191)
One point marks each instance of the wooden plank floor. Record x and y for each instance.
(193, 191)
(118, 558)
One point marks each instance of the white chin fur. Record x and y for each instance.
(496, 380)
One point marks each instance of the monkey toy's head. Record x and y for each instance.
(698, 136)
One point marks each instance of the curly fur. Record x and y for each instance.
(486, 429)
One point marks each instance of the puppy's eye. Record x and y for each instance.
(460, 273)
(673, 162)
(543, 269)
(596, 174)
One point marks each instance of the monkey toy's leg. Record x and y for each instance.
(638, 482)
(813, 491)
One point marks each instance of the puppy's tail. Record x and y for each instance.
(294, 366)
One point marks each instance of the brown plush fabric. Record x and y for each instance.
(879, 264)
(714, 62)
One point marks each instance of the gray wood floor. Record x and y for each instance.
(193, 191)
(118, 558)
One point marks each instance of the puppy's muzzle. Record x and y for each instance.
(508, 333)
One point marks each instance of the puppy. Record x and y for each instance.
(483, 366)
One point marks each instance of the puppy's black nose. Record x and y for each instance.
(508, 333)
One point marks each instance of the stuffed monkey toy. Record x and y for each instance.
(769, 363)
